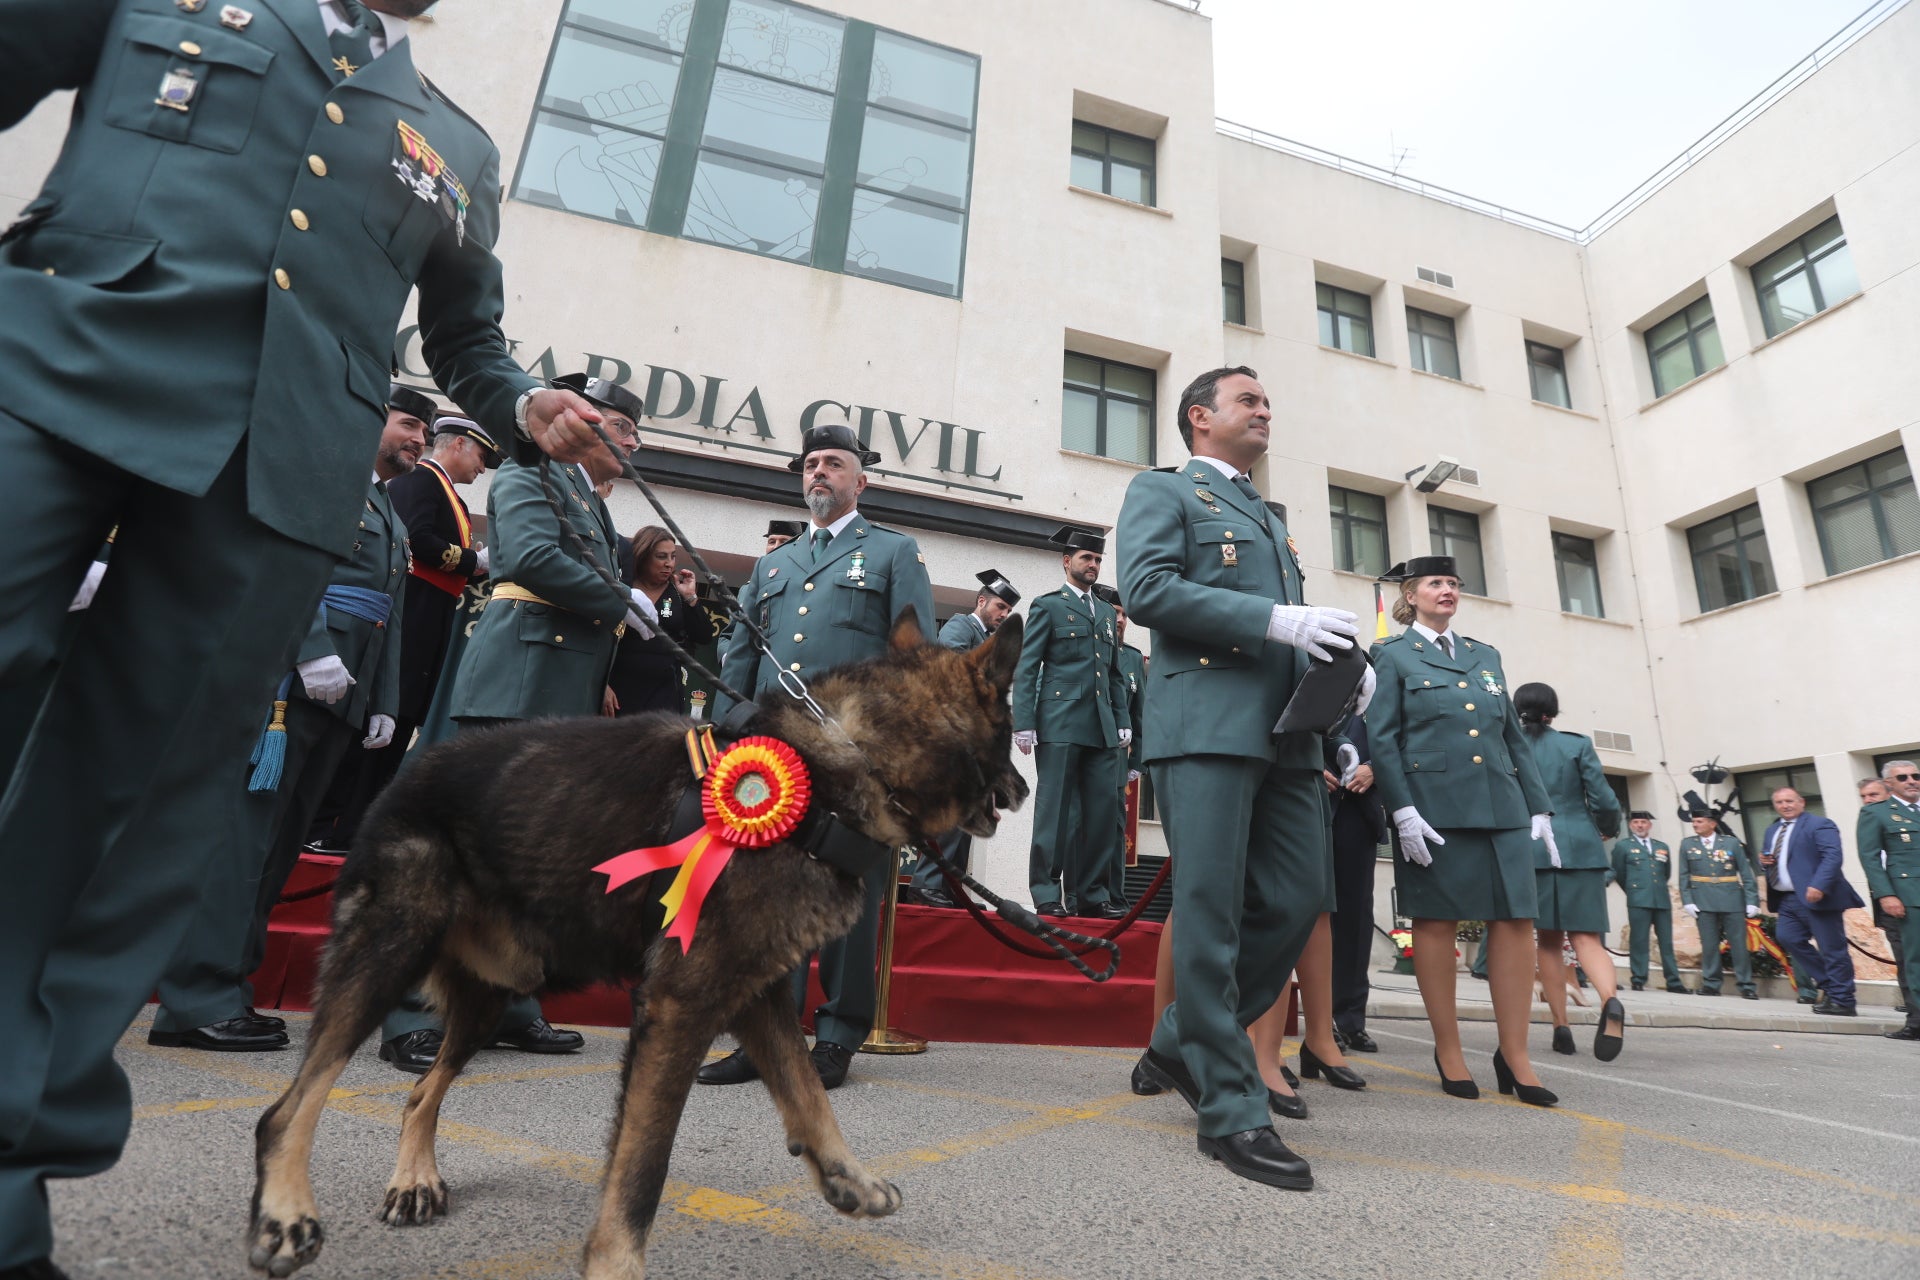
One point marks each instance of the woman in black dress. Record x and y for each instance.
(646, 677)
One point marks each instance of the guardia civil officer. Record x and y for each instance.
(1459, 783)
(199, 312)
(1069, 702)
(1716, 883)
(1212, 572)
(1887, 836)
(341, 694)
(823, 600)
(781, 532)
(963, 633)
(543, 647)
(1643, 868)
(1571, 890)
(1133, 675)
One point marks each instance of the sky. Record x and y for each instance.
(1554, 108)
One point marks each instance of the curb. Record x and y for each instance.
(1759, 1020)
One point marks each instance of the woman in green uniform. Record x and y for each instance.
(1571, 893)
(1458, 779)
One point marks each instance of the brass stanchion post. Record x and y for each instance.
(884, 1039)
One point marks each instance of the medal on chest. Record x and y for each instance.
(1491, 685)
(857, 568)
(1229, 555)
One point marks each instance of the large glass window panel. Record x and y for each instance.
(1359, 530)
(1080, 420)
(758, 119)
(788, 43)
(1328, 336)
(1788, 300)
(589, 169)
(1083, 370)
(1835, 274)
(1130, 182)
(1730, 559)
(1867, 512)
(1129, 380)
(923, 79)
(662, 23)
(1089, 173)
(745, 205)
(1457, 534)
(1804, 278)
(1107, 409)
(1433, 347)
(611, 82)
(1547, 370)
(1233, 291)
(1850, 536)
(1346, 319)
(1578, 565)
(915, 159)
(1115, 163)
(1129, 431)
(1673, 367)
(905, 242)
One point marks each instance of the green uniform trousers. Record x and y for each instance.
(123, 787)
(1660, 921)
(1251, 869)
(1117, 869)
(847, 972)
(1076, 841)
(1731, 925)
(206, 981)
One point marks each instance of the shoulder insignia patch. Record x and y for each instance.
(921, 558)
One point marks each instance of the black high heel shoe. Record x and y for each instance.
(1455, 1088)
(1563, 1040)
(1338, 1077)
(1531, 1094)
(1606, 1046)
(1293, 1107)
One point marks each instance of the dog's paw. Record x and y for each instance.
(857, 1193)
(279, 1247)
(415, 1204)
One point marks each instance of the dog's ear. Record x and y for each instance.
(997, 658)
(906, 631)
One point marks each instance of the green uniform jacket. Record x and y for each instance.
(377, 561)
(1067, 686)
(962, 633)
(525, 659)
(1582, 801)
(1133, 673)
(823, 615)
(1728, 857)
(1644, 874)
(1893, 827)
(1445, 739)
(1201, 566)
(144, 329)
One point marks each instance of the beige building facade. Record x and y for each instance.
(999, 238)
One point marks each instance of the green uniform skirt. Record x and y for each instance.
(1478, 874)
(1573, 900)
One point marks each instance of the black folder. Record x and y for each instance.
(1324, 699)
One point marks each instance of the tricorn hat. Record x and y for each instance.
(606, 394)
(995, 583)
(835, 436)
(786, 528)
(1698, 812)
(1422, 567)
(1072, 538)
(456, 424)
(1640, 815)
(1111, 595)
(409, 400)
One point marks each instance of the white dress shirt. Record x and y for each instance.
(1780, 877)
(1453, 641)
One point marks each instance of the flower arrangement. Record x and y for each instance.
(1403, 942)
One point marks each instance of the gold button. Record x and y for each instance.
(189, 48)
(1469, 706)
(47, 270)
(803, 611)
(1473, 733)
(1476, 759)
(794, 667)
(1229, 535)
(1236, 648)
(1463, 684)
(797, 637)
(1427, 683)
(281, 278)
(558, 639)
(318, 166)
(809, 586)
(1203, 662)
(335, 114)
(298, 218)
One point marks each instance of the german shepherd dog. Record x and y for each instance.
(473, 878)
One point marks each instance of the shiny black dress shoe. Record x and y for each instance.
(1832, 1010)
(265, 1019)
(1749, 995)
(1908, 1032)
(1606, 1043)
(234, 1035)
(540, 1036)
(1639, 985)
(1455, 1088)
(1702, 991)
(414, 1051)
(735, 1068)
(1563, 1041)
(1531, 1094)
(1357, 1042)
(1260, 1156)
(1338, 1077)
(1112, 910)
(1168, 1073)
(935, 898)
(831, 1061)
(1804, 999)
(1143, 1084)
(38, 1269)
(1286, 1073)
(1676, 988)
(1292, 1106)
(1053, 909)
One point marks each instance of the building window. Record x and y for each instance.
(1107, 409)
(1359, 531)
(1233, 291)
(1804, 278)
(1866, 513)
(1112, 162)
(1756, 801)
(1457, 534)
(1435, 350)
(761, 126)
(1683, 346)
(1578, 566)
(1346, 320)
(1730, 560)
(1547, 368)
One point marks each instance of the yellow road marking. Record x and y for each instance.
(1589, 1242)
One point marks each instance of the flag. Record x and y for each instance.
(1380, 631)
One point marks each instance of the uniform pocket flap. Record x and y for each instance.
(1427, 761)
(157, 31)
(558, 629)
(1062, 692)
(84, 257)
(367, 377)
(1210, 533)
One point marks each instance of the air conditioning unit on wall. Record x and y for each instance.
(1431, 276)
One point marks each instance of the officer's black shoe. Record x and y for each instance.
(1833, 1010)
(1053, 909)
(1169, 1073)
(1749, 995)
(1807, 999)
(1115, 910)
(1901, 1007)
(268, 1019)
(38, 1269)
(414, 1051)
(540, 1036)
(1908, 1032)
(1260, 1156)
(1705, 992)
(1676, 988)
(935, 898)
(1639, 985)
(234, 1035)
(831, 1061)
(1143, 1084)
(735, 1068)
(1357, 1042)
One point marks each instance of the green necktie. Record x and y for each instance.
(1245, 486)
(353, 47)
(821, 537)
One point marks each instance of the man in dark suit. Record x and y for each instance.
(1359, 828)
(1804, 866)
(200, 307)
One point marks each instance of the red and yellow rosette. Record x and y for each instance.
(753, 796)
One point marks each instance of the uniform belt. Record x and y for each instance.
(514, 591)
(1715, 879)
(451, 583)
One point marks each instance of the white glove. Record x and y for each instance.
(1415, 836)
(379, 732)
(1133, 775)
(1314, 630)
(1543, 832)
(1753, 913)
(642, 617)
(325, 679)
(480, 560)
(1025, 739)
(88, 585)
(1366, 692)
(1693, 911)
(1348, 758)
(1126, 737)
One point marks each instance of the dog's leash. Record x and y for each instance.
(1061, 943)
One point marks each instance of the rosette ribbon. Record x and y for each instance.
(753, 796)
